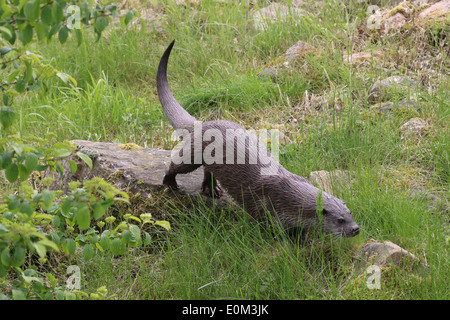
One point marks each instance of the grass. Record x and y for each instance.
(213, 72)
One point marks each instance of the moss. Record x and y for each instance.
(129, 146)
(402, 8)
(114, 177)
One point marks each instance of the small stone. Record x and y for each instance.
(360, 57)
(269, 72)
(298, 50)
(396, 22)
(385, 254)
(414, 127)
(384, 88)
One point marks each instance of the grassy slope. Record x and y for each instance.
(213, 71)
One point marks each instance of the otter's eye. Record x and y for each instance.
(341, 220)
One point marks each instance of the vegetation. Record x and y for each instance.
(98, 83)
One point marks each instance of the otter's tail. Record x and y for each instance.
(178, 117)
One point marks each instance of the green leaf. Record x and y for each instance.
(23, 172)
(57, 12)
(101, 23)
(52, 280)
(135, 231)
(5, 257)
(18, 257)
(7, 158)
(26, 208)
(79, 36)
(71, 246)
(12, 172)
(61, 153)
(164, 224)
(46, 15)
(98, 210)
(83, 217)
(63, 34)
(7, 99)
(41, 31)
(73, 166)
(20, 85)
(36, 10)
(128, 17)
(40, 249)
(28, 10)
(66, 205)
(148, 239)
(54, 29)
(117, 247)
(105, 242)
(7, 115)
(31, 161)
(49, 243)
(27, 34)
(6, 32)
(88, 252)
(126, 236)
(47, 198)
(18, 294)
(85, 158)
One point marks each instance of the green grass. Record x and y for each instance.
(213, 71)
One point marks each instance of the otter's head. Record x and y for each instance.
(337, 218)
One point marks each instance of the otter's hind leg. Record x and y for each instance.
(174, 169)
(210, 187)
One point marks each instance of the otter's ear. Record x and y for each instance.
(324, 212)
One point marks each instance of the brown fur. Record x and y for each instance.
(290, 198)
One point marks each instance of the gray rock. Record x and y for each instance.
(385, 254)
(382, 89)
(388, 107)
(269, 72)
(138, 170)
(437, 11)
(413, 128)
(298, 50)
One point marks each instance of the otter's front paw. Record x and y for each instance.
(216, 191)
(170, 182)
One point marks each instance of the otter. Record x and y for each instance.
(252, 177)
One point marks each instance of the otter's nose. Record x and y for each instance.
(355, 230)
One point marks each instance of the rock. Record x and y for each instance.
(384, 88)
(396, 22)
(362, 57)
(269, 72)
(274, 13)
(298, 50)
(384, 254)
(388, 107)
(327, 180)
(438, 11)
(413, 128)
(291, 57)
(138, 170)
